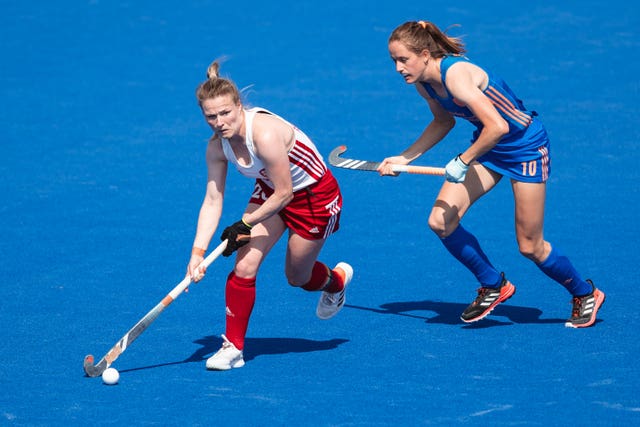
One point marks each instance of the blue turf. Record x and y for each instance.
(102, 174)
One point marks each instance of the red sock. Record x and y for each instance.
(323, 279)
(240, 296)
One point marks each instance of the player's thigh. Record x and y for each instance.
(529, 215)
(454, 199)
(264, 236)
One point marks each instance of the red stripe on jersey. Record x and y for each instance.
(310, 154)
(306, 163)
(307, 159)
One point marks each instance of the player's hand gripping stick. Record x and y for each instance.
(238, 234)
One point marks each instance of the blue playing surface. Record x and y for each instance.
(102, 164)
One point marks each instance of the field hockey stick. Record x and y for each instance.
(95, 370)
(363, 165)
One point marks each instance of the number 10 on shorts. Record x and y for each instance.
(529, 168)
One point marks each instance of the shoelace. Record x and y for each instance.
(332, 298)
(328, 299)
(577, 305)
(481, 293)
(226, 343)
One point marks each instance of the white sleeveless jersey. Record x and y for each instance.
(305, 161)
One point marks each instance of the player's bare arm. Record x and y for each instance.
(211, 209)
(466, 83)
(272, 139)
(436, 130)
(214, 195)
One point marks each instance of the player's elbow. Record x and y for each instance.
(446, 123)
(283, 196)
(500, 128)
(288, 198)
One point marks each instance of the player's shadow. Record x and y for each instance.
(448, 313)
(254, 347)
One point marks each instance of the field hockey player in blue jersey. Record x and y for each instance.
(294, 194)
(508, 141)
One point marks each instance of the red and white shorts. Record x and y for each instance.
(314, 212)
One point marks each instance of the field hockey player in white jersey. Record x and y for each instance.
(295, 193)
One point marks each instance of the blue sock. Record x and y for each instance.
(559, 268)
(466, 249)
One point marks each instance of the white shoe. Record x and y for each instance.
(226, 358)
(331, 303)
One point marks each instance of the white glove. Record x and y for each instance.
(456, 170)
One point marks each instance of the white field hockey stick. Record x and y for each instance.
(363, 165)
(96, 370)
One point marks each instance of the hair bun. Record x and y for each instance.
(213, 70)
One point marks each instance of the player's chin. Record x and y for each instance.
(408, 79)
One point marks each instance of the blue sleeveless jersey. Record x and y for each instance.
(526, 140)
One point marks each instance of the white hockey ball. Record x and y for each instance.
(110, 376)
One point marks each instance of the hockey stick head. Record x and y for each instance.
(94, 370)
(344, 162)
(334, 156)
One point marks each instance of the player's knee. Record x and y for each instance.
(245, 269)
(294, 283)
(531, 250)
(440, 225)
(296, 279)
(436, 224)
